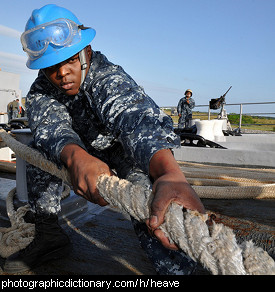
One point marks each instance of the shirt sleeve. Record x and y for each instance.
(133, 117)
(49, 121)
(191, 103)
(179, 107)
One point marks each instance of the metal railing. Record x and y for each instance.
(241, 111)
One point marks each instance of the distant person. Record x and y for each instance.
(21, 112)
(184, 108)
(9, 111)
(15, 108)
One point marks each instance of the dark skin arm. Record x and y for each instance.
(84, 169)
(170, 184)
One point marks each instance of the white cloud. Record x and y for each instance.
(12, 62)
(16, 57)
(10, 32)
(17, 64)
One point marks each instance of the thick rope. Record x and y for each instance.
(230, 182)
(262, 188)
(212, 185)
(19, 234)
(34, 157)
(214, 245)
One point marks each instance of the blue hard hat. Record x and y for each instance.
(52, 35)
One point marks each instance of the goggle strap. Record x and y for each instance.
(84, 66)
(83, 63)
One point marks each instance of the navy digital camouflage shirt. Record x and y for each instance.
(185, 108)
(111, 117)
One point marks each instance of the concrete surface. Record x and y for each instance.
(103, 243)
(246, 150)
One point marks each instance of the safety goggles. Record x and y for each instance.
(60, 33)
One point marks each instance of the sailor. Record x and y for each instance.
(13, 109)
(9, 110)
(184, 108)
(89, 115)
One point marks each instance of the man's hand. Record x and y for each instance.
(170, 186)
(84, 170)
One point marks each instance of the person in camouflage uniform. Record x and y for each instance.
(184, 109)
(94, 123)
(13, 109)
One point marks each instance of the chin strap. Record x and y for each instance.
(83, 63)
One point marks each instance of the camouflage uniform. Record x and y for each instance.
(9, 111)
(112, 119)
(185, 110)
(15, 109)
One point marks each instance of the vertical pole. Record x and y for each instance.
(209, 113)
(241, 116)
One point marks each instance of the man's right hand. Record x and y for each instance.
(84, 170)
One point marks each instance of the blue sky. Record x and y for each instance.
(169, 46)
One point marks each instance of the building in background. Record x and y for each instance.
(9, 91)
